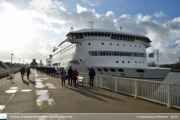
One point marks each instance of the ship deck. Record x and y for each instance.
(48, 96)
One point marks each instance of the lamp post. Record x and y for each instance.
(19, 62)
(11, 67)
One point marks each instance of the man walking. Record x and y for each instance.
(28, 72)
(91, 74)
(70, 73)
(22, 72)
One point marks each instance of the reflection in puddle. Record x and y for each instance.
(10, 91)
(50, 86)
(44, 78)
(1, 107)
(39, 85)
(15, 88)
(26, 90)
(38, 80)
(43, 95)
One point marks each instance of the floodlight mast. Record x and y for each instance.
(90, 24)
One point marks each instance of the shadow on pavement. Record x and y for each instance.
(25, 82)
(32, 82)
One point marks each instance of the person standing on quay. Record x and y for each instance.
(70, 73)
(91, 74)
(75, 74)
(63, 76)
(22, 72)
(28, 72)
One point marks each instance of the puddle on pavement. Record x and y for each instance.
(14, 88)
(38, 80)
(26, 90)
(39, 85)
(43, 95)
(10, 91)
(1, 107)
(50, 86)
(44, 78)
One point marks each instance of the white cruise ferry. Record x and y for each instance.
(112, 53)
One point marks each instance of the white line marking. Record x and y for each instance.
(1, 108)
(11, 97)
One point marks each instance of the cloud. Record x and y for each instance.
(91, 4)
(42, 21)
(160, 14)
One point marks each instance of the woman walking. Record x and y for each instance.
(63, 76)
(75, 74)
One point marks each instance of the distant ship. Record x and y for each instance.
(112, 53)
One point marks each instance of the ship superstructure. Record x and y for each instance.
(113, 53)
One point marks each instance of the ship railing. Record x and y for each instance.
(6, 72)
(155, 91)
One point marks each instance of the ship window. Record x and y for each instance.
(139, 61)
(110, 43)
(92, 53)
(142, 62)
(98, 53)
(117, 52)
(105, 34)
(108, 35)
(106, 70)
(122, 61)
(99, 69)
(103, 53)
(112, 52)
(142, 71)
(112, 36)
(95, 34)
(92, 34)
(117, 61)
(95, 53)
(99, 34)
(89, 43)
(117, 44)
(128, 62)
(135, 61)
(115, 37)
(81, 35)
(73, 36)
(135, 46)
(77, 36)
(124, 44)
(85, 34)
(140, 46)
(130, 45)
(102, 43)
(88, 34)
(112, 70)
(107, 53)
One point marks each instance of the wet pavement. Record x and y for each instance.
(44, 94)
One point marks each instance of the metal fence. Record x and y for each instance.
(4, 73)
(159, 92)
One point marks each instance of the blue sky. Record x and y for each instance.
(43, 24)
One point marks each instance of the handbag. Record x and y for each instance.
(66, 77)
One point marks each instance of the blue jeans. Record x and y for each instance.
(91, 81)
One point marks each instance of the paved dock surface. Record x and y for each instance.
(44, 94)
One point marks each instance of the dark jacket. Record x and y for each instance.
(70, 72)
(28, 71)
(92, 73)
(23, 70)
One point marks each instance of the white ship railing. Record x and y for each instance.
(155, 91)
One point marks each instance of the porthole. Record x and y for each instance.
(135, 46)
(122, 61)
(128, 62)
(99, 69)
(139, 61)
(142, 62)
(117, 44)
(110, 43)
(102, 43)
(124, 44)
(140, 46)
(106, 70)
(120, 70)
(117, 61)
(89, 43)
(135, 61)
(112, 70)
(130, 45)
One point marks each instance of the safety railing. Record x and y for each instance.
(8, 71)
(155, 91)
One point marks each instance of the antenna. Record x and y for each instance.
(71, 29)
(120, 28)
(90, 24)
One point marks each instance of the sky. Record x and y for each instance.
(32, 28)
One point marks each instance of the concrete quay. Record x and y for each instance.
(44, 94)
